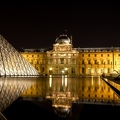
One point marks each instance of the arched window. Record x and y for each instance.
(83, 70)
(108, 70)
(95, 61)
(56, 61)
(88, 61)
(62, 60)
(102, 62)
(73, 70)
(82, 61)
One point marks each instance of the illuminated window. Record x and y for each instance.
(88, 61)
(62, 60)
(66, 61)
(82, 61)
(73, 61)
(89, 71)
(108, 61)
(73, 70)
(108, 70)
(37, 62)
(83, 69)
(95, 88)
(95, 61)
(102, 62)
(50, 61)
(56, 61)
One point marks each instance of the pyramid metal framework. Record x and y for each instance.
(12, 63)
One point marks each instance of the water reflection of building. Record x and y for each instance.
(95, 90)
(62, 58)
(58, 91)
(65, 91)
(61, 96)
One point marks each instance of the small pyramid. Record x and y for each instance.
(12, 63)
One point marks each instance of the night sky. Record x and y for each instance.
(37, 24)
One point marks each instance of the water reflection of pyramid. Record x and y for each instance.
(12, 62)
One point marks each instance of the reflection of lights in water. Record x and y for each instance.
(105, 79)
(65, 81)
(62, 80)
(65, 75)
(61, 111)
(50, 81)
(62, 100)
(62, 103)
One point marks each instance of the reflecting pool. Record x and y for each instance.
(61, 93)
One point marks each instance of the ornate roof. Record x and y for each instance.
(63, 39)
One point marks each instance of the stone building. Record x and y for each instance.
(64, 59)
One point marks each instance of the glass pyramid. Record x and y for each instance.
(12, 63)
(12, 87)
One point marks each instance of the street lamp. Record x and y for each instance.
(50, 70)
(62, 71)
(66, 70)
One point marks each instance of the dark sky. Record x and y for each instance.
(36, 24)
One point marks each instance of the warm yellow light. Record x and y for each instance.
(98, 71)
(50, 68)
(50, 81)
(66, 68)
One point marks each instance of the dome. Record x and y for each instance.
(62, 112)
(63, 39)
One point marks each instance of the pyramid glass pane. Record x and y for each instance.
(12, 63)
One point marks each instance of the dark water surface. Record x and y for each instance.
(58, 98)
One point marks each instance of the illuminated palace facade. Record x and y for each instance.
(62, 58)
